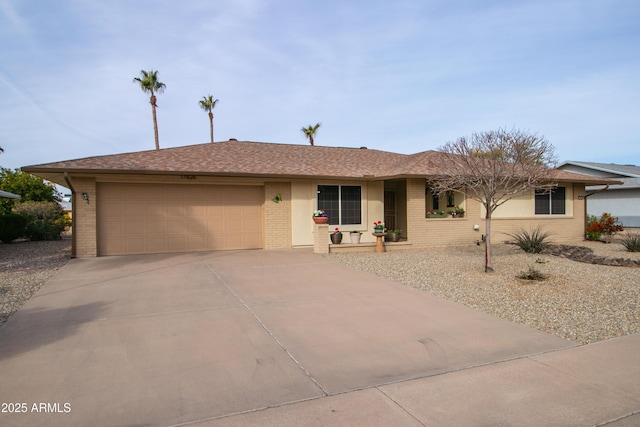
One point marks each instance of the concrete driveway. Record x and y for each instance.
(289, 338)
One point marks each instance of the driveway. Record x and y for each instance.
(288, 338)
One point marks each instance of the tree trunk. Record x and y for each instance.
(211, 125)
(155, 121)
(487, 243)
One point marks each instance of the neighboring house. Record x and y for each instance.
(620, 200)
(7, 195)
(251, 195)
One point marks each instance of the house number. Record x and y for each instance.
(188, 176)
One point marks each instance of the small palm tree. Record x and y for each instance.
(310, 132)
(207, 103)
(149, 83)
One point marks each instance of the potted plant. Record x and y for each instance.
(456, 212)
(320, 217)
(435, 214)
(355, 236)
(336, 236)
(393, 235)
(378, 227)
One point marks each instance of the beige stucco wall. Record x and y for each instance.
(433, 232)
(304, 203)
(523, 206)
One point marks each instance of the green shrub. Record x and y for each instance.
(631, 242)
(531, 274)
(594, 232)
(533, 241)
(12, 226)
(45, 220)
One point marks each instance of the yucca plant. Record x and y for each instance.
(533, 241)
(631, 242)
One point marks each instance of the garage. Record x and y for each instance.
(162, 218)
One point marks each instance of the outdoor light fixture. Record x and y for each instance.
(85, 197)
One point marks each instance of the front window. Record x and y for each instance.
(550, 202)
(343, 203)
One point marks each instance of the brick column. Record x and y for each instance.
(320, 238)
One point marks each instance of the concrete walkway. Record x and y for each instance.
(279, 338)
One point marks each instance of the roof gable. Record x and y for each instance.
(629, 171)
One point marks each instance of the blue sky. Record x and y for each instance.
(402, 76)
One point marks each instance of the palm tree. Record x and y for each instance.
(310, 132)
(207, 103)
(149, 84)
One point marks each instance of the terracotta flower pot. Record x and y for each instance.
(320, 219)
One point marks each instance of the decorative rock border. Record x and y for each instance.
(586, 255)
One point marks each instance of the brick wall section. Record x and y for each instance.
(277, 216)
(84, 230)
(321, 238)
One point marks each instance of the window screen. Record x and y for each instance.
(343, 203)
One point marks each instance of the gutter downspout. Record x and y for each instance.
(73, 214)
(606, 187)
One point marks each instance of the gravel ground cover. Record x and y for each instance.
(578, 301)
(25, 267)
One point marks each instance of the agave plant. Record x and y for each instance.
(533, 241)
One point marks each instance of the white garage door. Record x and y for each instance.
(159, 218)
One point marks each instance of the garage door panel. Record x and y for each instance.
(155, 192)
(177, 211)
(129, 208)
(155, 227)
(196, 211)
(233, 225)
(195, 226)
(157, 209)
(157, 218)
(177, 243)
(156, 244)
(194, 193)
(113, 210)
(215, 211)
(114, 227)
(176, 226)
(196, 243)
(252, 226)
(175, 192)
(132, 245)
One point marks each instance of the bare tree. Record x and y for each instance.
(492, 168)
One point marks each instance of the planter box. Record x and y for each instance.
(435, 215)
(393, 237)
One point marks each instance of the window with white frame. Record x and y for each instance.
(342, 203)
(550, 202)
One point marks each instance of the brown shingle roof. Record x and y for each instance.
(243, 158)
